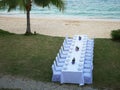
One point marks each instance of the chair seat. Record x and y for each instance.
(87, 62)
(88, 58)
(89, 48)
(59, 64)
(87, 65)
(87, 70)
(55, 67)
(89, 51)
(65, 52)
(88, 78)
(56, 75)
(63, 56)
(88, 54)
(59, 59)
(68, 40)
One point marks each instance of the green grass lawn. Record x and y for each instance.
(32, 57)
(107, 63)
(8, 89)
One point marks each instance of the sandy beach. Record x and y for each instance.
(53, 26)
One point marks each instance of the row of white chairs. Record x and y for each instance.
(60, 59)
(88, 62)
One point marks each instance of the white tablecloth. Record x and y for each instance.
(73, 73)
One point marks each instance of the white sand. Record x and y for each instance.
(61, 26)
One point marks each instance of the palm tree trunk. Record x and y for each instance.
(28, 8)
(28, 29)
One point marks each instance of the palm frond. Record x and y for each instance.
(21, 4)
(43, 3)
(12, 4)
(2, 4)
(59, 4)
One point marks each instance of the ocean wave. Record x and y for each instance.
(77, 8)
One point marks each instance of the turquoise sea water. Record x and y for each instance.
(100, 9)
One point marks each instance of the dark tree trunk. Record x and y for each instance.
(28, 29)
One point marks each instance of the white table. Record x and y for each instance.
(73, 73)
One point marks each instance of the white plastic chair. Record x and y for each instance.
(68, 40)
(90, 51)
(55, 75)
(89, 54)
(62, 55)
(89, 48)
(88, 78)
(88, 58)
(87, 65)
(61, 60)
(87, 70)
(56, 68)
(66, 46)
(90, 43)
(65, 52)
(87, 62)
(59, 64)
(66, 43)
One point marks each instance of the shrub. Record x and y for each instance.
(2, 32)
(115, 34)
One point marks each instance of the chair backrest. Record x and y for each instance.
(64, 42)
(54, 65)
(68, 40)
(61, 49)
(58, 56)
(57, 61)
(60, 52)
(56, 68)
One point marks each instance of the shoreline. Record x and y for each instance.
(61, 17)
(60, 26)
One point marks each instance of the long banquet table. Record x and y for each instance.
(73, 73)
(72, 70)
